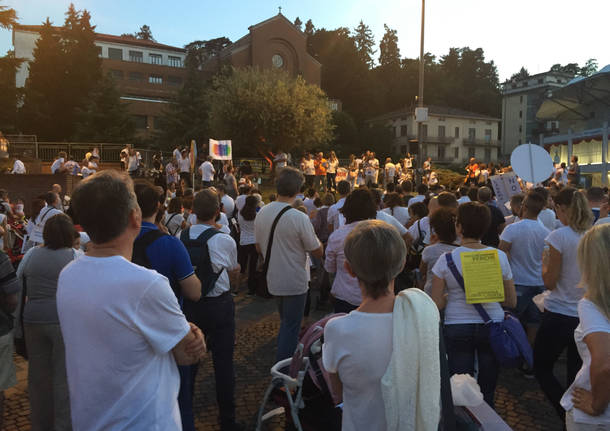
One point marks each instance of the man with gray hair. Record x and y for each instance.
(285, 236)
(121, 323)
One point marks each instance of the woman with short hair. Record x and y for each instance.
(393, 206)
(586, 401)
(359, 205)
(39, 271)
(561, 277)
(174, 220)
(466, 335)
(442, 222)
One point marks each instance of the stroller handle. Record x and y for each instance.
(289, 381)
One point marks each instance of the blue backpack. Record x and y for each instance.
(200, 258)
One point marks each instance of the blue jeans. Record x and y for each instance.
(291, 310)
(526, 311)
(465, 342)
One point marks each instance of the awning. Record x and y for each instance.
(571, 101)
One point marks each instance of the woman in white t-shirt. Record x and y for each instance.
(443, 224)
(247, 256)
(174, 220)
(561, 277)
(586, 400)
(332, 163)
(466, 335)
(393, 206)
(358, 347)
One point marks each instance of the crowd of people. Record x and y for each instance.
(124, 287)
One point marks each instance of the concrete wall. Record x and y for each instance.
(28, 187)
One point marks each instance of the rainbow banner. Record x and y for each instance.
(221, 150)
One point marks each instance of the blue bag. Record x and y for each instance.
(507, 338)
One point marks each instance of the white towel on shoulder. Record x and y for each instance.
(411, 385)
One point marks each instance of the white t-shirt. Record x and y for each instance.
(392, 220)
(119, 323)
(332, 166)
(390, 170)
(309, 167)
(57, 164)
(333, 213)
(18, 167)
(603, 220)
(527, 244)
(133, 162)
(591, 320)
(228, 205)
(45, 214)
(240, 201)
(309, 204)
(547, 218)
(184, 164)
(457, 310)
(462, 200)
(280, 160)
(173, 223)
(223, 255)
(246, 231)
(207, 171)
(358, 347)
(422, 225)
(564, 298)
(415, 199)
(294, 236)
(191, 220)
(400, 213)
(429, 256)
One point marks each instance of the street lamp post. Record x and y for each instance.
(420, 97)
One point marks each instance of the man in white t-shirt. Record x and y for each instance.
(309, 169)
(390, 172)
(123, 329)
(215, 312)
(280, 160)
(18, 167)
(463, 195)
(422, 189)
(523, 243)
(207, 172)
(184, 165)
(58, 165)
(420, 232)
(287, 276)
(228, 204)
(52, 207)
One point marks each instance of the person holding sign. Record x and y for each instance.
(488, 280)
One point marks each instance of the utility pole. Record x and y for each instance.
(420, 97)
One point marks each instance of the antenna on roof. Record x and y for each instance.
(280, 8)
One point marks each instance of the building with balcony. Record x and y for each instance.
(582, 111)
(449, 135)
(147, 74)
(521, 99)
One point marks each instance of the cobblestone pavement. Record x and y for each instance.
(519, 401)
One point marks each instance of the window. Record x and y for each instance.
(424, 131)
(441, 118)
(520, 114)
(136, 56)
(155, 79)
(540, 80)
(99, 51)
(156, 122)
(473, 122)
(520, 129)
(139, 121)
(136, 76)
(487, 135)
(487, 155)
(513, 85)
(471, 152)
(440, 152)
(519, 141)
(116, 74)
(456, 153)
(115, 53)
(174, 80)
(403, 130)
(155, 58)
(520, 99)
(396, 131)
(457, 132)
(403, 118)
(488, 123)
(174, 61)
(472, 134)
(441, 131)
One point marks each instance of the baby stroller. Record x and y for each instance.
(300, 386)
(15, 234)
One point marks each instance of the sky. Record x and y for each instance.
(531, 33)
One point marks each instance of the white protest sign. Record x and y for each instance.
(532, 163)
(221, 150)
(505, 186)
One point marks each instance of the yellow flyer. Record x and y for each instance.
(482, 276)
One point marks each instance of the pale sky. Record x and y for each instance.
(531, 33)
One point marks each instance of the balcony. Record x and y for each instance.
(426, 139)
(481, 142)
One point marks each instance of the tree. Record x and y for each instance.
(104, 118)
(389, 53)
(309, 28)
(345, 134)
(145, 33)
(298, 23)
(264, 109)
(570, 68)
(522, 74)
(10, 94)
(589, 68)
(363, 36)
(8, 17)
(200, 51)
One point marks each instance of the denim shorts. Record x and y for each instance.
(526, 310)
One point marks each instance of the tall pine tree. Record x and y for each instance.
(389, 53)
(363, 36)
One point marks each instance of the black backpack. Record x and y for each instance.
(200, 258)
(141, 244)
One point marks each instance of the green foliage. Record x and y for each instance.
(298, 23)
(145, 33)
(268, 109)
(8, 17)
(570, 68)
(10, 94)
(104, 118)
(589, 68)
(389, 54)
(63, 94)
(522, 74)
(376, 138)
(345, 134)
(363, 37)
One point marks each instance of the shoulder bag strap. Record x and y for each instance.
(43, 216)
(458, 277)
(167, 224)
(270, 242)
